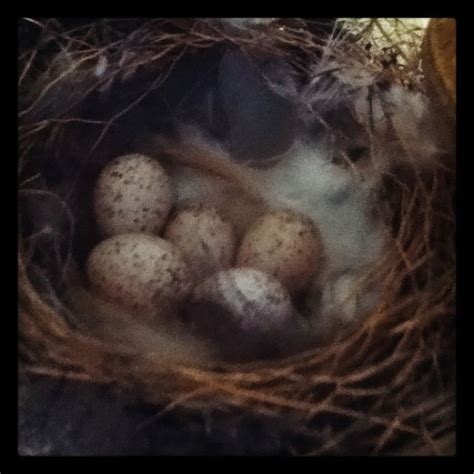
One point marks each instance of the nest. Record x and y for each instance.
(386, 387)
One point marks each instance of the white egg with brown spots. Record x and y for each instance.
(205, 238)
(132, 194)
(141, 272)
(286, 245)
(246, 300)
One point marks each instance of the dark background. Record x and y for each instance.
(57, 417)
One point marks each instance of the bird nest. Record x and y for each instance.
(384, 387)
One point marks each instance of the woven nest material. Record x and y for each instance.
(388, 387)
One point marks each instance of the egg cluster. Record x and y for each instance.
(155, 255)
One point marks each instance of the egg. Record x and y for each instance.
(286, 245)
(244, 311)
(132, 194)
(206, 240)
(343, 300)
(139, 271)
(256, 301)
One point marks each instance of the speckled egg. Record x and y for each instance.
(206, 240)
(139, 271)
(286, 245)
(253, 301)
(132, 194)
